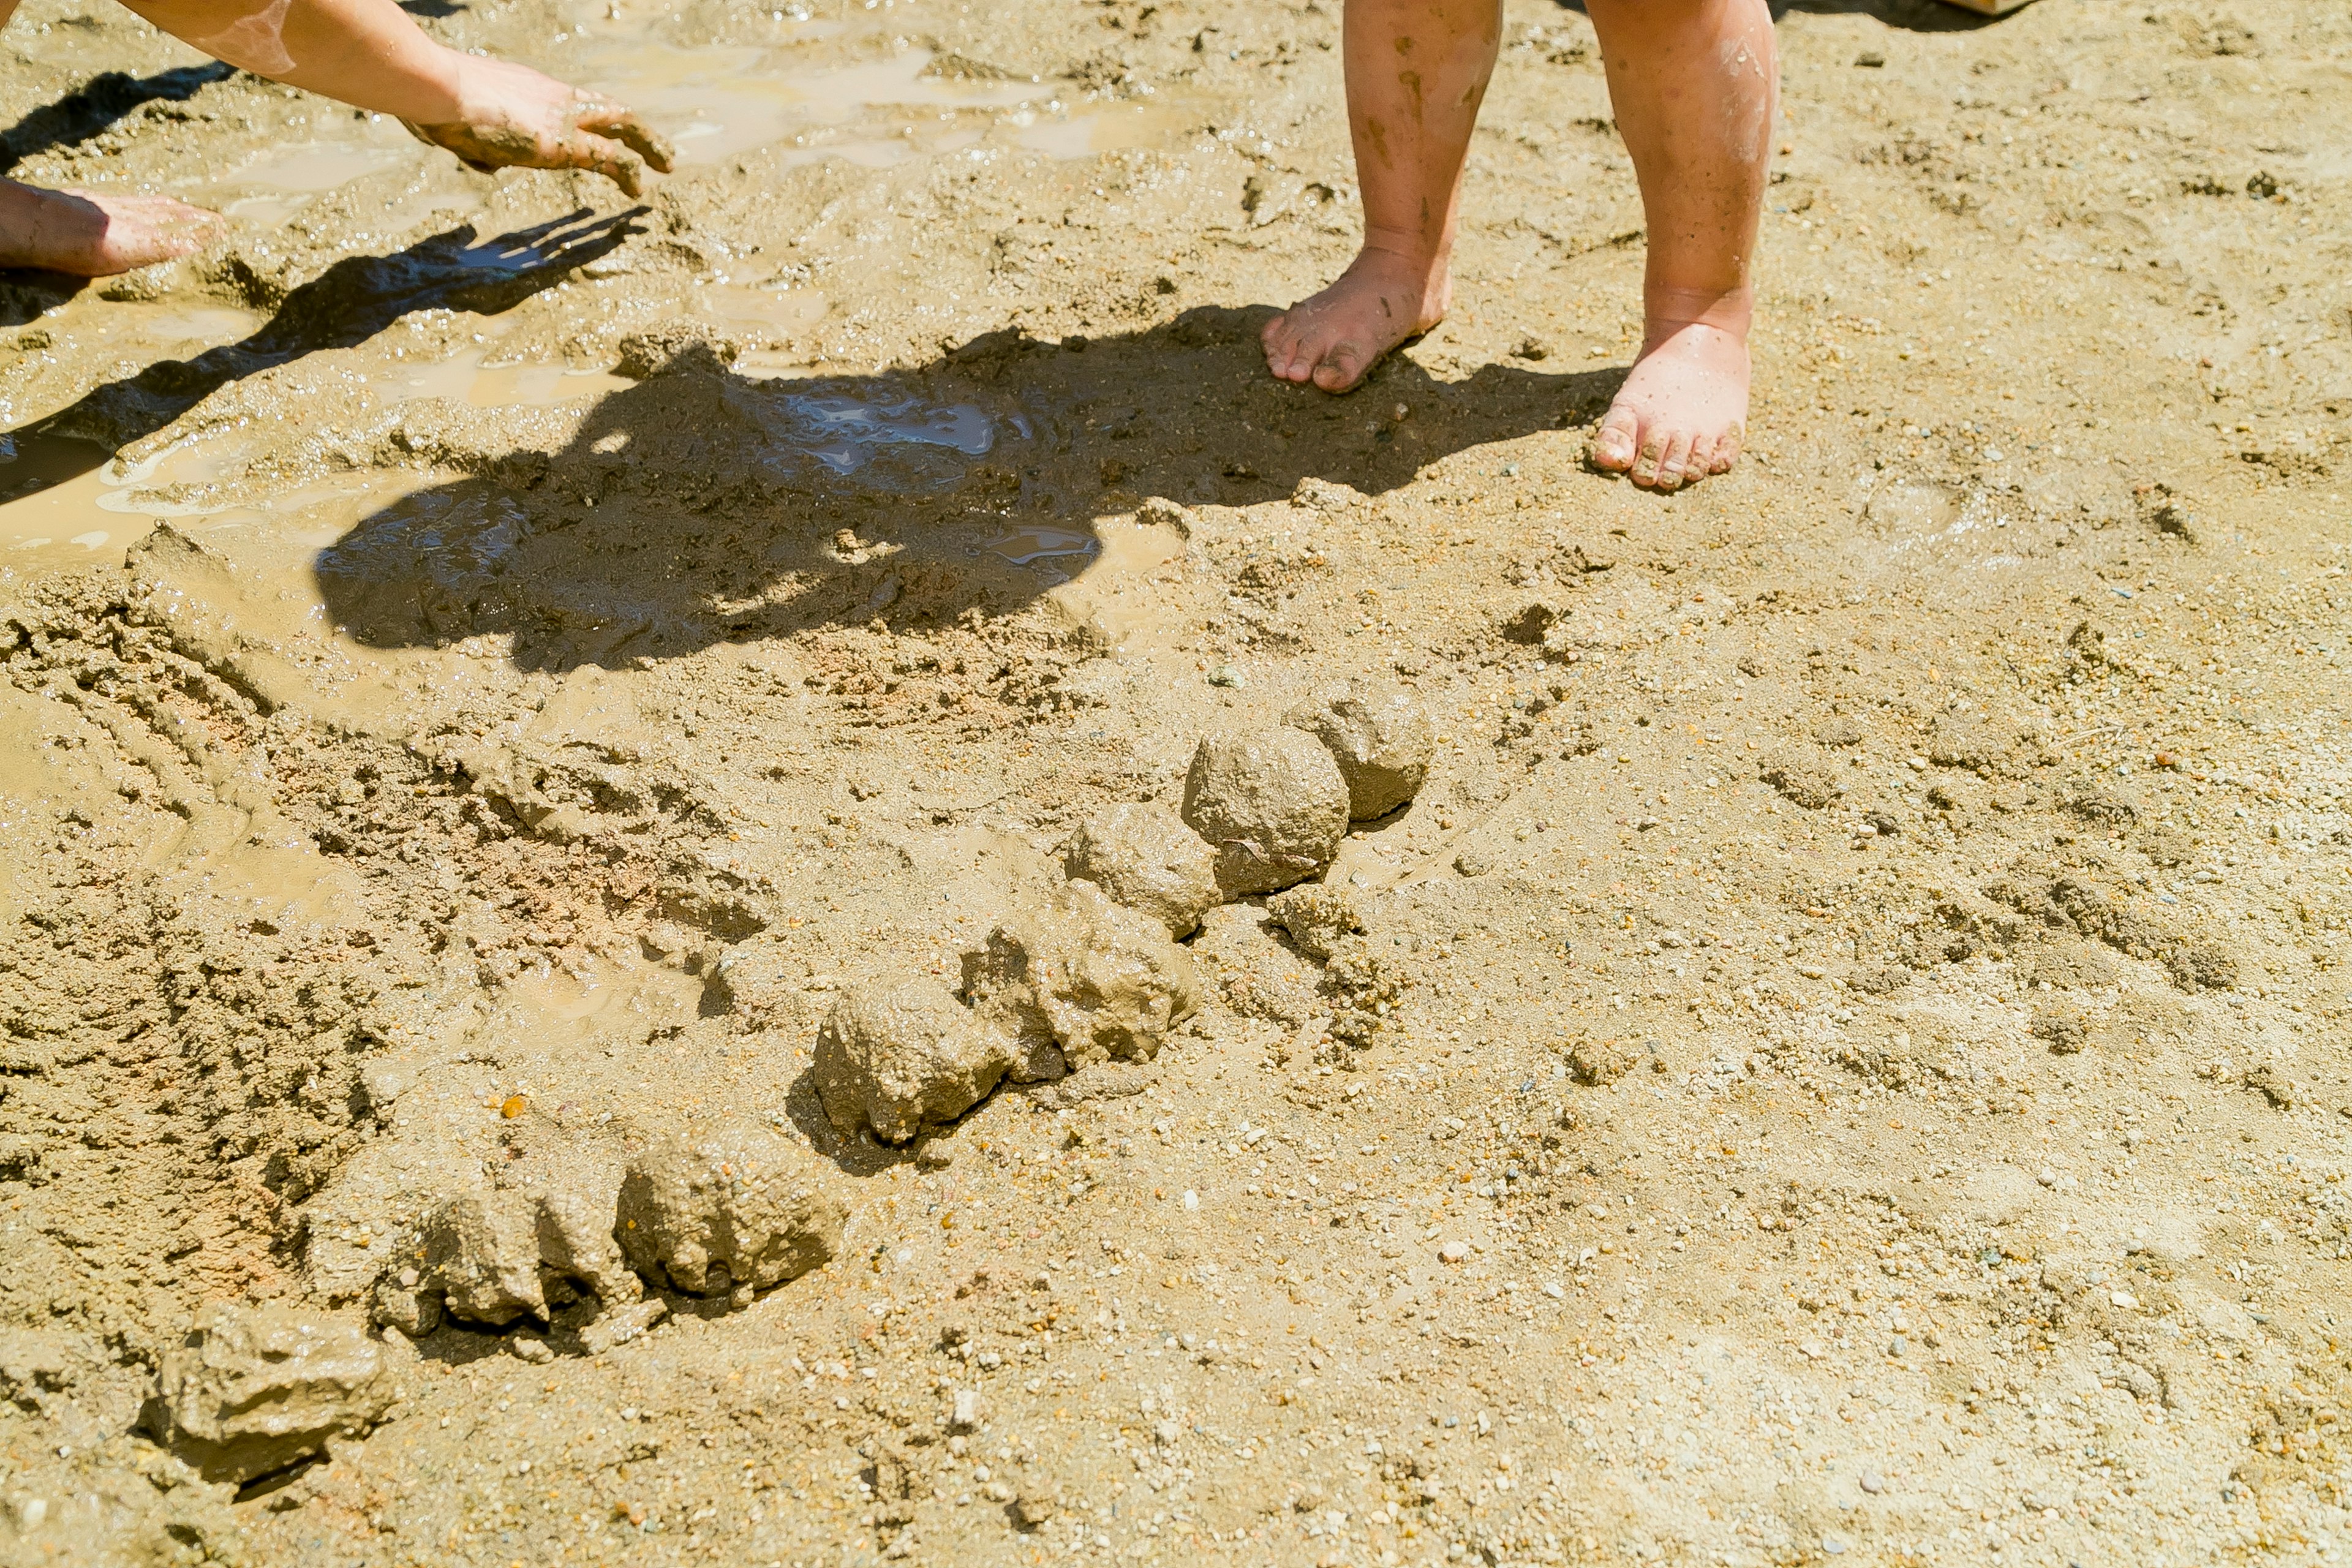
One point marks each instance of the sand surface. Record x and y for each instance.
(1846, 1056)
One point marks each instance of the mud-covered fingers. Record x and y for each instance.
(601, 155)
(604, 117)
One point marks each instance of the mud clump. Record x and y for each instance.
(1144, 856)
(1800, 779)
(1599, 1062)
(1318, 916)
(252, 1390)
(492, 1256)
(685, 344)
(898, 1056)
(736, 1213)
(481, 1256)
(1380, 738)
(1079, 979)
(1272, 803)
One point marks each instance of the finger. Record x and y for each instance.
(610, 159)
(611, 120)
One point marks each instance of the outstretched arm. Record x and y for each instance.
(370, 54)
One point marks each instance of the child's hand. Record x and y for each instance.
(516, 118)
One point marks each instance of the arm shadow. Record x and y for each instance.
(98, 104)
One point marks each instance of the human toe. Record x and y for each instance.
(1701, 461)
(1340, 368)
(1613, 444)
(1674, 460)
(1727, 451)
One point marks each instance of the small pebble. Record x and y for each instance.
(1873, 1482)
(1453, 1251)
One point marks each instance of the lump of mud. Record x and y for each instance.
(1596, 1062)
(2062, 1032)
(1980, 742)
(1143, 856)
(1380, 738)
(739, 1209)
(1316, 915)
(494, 1255)
(683, 344)
(481, 1255)
(2202, 966)
(251, 1389)
(1272, 803)
(2099, 807)
(1798, 778)
(1838, 730)
(2068, 966)
(902, 1054)
(1075, 979)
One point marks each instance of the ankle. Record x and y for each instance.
(1408, 253)
(1667, 309)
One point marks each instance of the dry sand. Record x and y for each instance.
(1846, 1057)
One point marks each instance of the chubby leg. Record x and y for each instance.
(93, 236)
(1416, 72)
(1694, 83)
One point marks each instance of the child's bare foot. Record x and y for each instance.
(1682, 413)
(93, 236)
(1335, 338)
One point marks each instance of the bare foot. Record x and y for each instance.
(1337, 336)
(93, 235)
(1682, 413)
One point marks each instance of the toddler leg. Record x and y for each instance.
(1694, 83)
(1416, 71)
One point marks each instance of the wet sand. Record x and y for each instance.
(1843, 1058)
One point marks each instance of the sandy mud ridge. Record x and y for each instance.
(793, 875)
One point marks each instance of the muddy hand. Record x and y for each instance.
(516, 118)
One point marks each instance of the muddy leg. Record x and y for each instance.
(1694, 83)
(1416, 72)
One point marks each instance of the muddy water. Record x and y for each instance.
(875, 113)
(62, 503)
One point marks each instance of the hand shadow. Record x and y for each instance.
(701, 505)
(347, 304)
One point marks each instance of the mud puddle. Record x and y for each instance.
(874, 114)
(285, 180)
(468, 379)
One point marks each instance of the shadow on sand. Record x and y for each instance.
(347, 304)
(700, 505)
